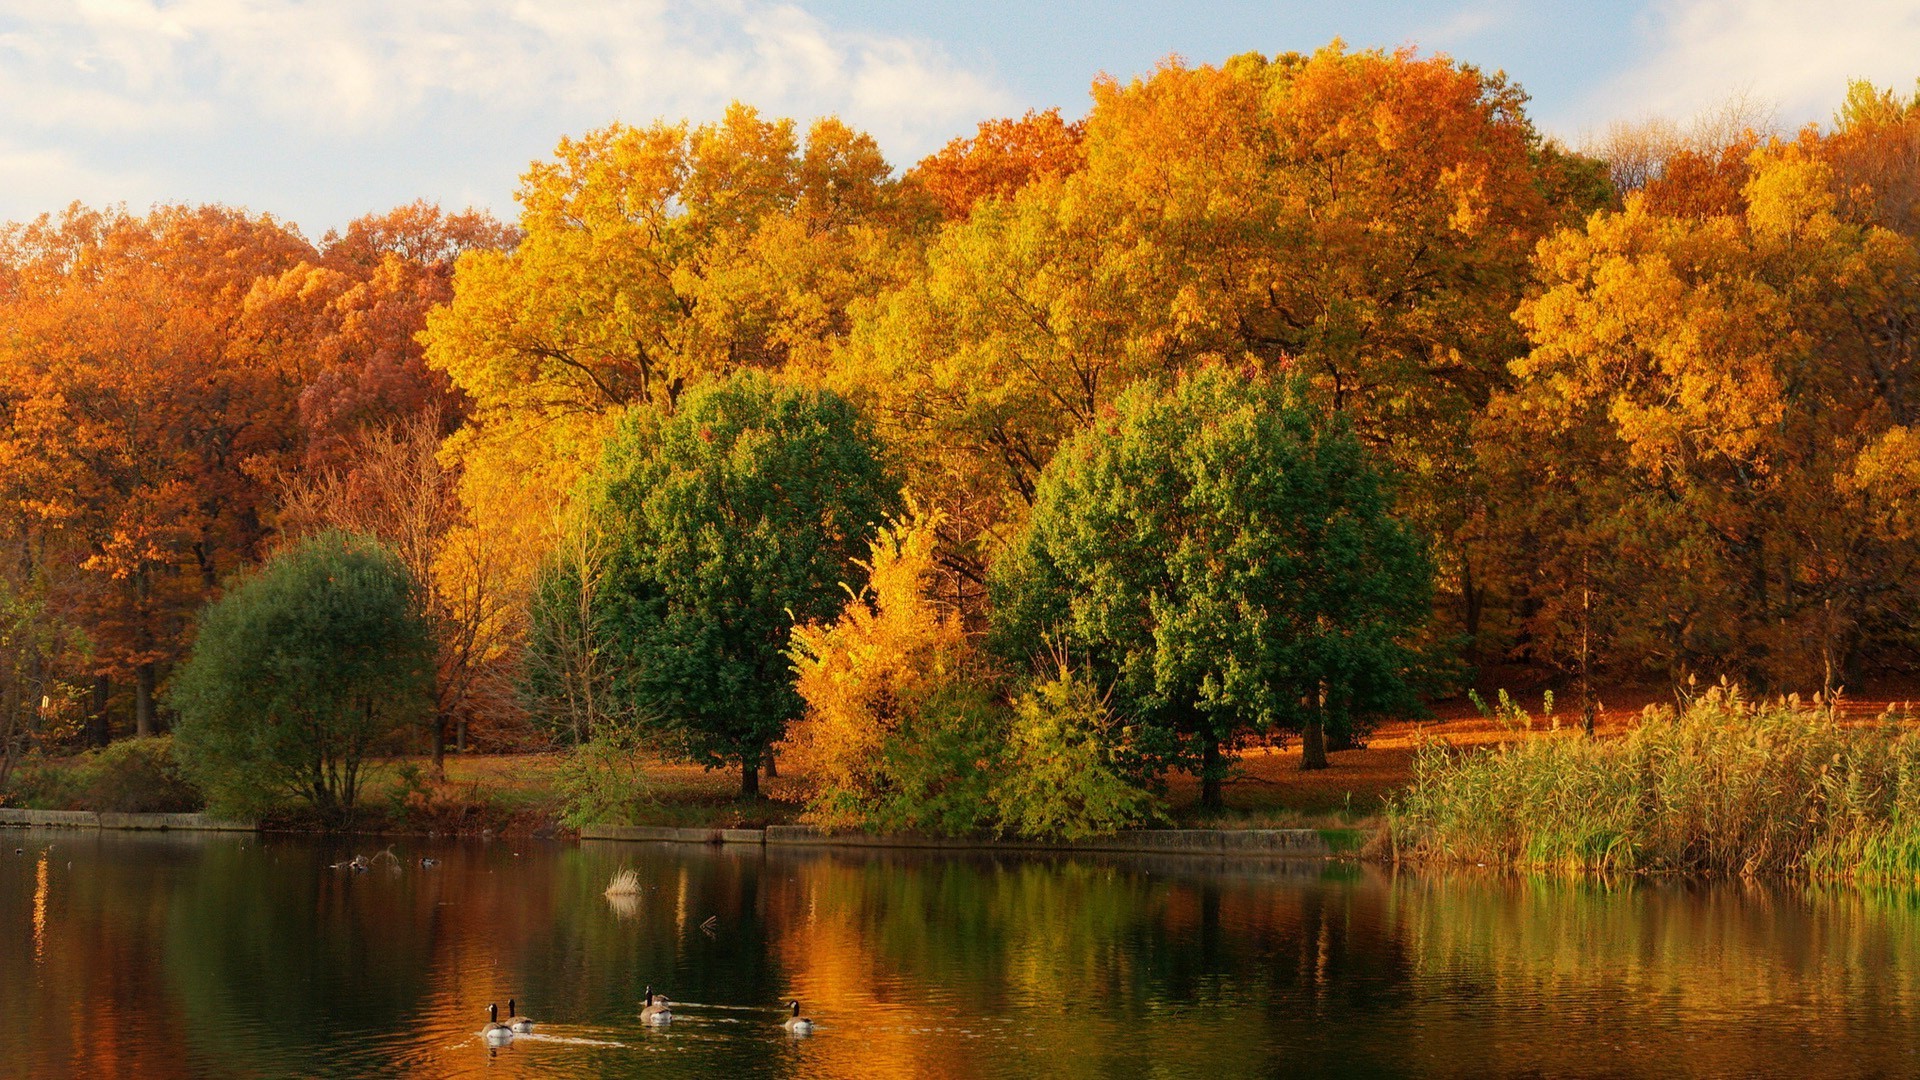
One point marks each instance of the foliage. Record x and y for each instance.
(1720, 406)
(132, 776)
(300, 672)
(1065, 776)
(652, 259)
(1724, 786)
(567, 670)
(725, 524)
(392, 484)
(1239, 214)
(1228, 562)
(900, 725)
(1002, 157)
(601, 781)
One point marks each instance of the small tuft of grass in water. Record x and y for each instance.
(624, 883)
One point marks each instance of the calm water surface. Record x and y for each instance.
(178, 955)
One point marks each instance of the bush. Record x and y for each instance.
(302, 671)
(900, 720)
(1723, 787)
(1065, 778)
(601, 781)
(139, 776)
(132, 776)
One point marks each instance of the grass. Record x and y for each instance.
(1723, 787)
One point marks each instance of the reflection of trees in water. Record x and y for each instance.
(94, 1001)
(268, 948)
(1752, 976)
(933, 965)
(1112, 967)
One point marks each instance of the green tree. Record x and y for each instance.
(724, 525)
(1228, 562)
(302, 670)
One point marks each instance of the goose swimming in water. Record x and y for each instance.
(797, 1024)
(495, 1031)
(520, 1024)
(656, 1011)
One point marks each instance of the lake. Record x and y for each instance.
(160, 955)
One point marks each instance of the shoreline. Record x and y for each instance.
(1317, 844)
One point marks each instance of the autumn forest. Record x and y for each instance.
(1648, 406)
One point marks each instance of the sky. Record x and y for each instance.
(318, 111)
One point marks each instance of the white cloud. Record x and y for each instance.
(189, 88)
(1792, 54)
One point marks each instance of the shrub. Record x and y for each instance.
(138, 776)
(1065, 778)
(132, 776)
(1723, 786)
(601, 781)
(900, 719)
(300, 672)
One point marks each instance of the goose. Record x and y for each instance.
(520, 1024)
(495, 1031)
(656, 1011)
(797, 1024)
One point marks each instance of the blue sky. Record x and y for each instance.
(320, 110)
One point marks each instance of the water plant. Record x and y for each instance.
(1722, 786)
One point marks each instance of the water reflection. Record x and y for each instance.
(227, 956)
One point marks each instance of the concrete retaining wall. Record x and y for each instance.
(87, 819)
(1272, 843)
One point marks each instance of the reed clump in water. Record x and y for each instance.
(624, 883)
(1724, 786)
(623, 894)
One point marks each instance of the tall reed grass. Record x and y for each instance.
(1724, 786)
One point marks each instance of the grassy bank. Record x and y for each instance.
(1723, 786)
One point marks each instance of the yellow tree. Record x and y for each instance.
(652, 259)
(1364, 218)
(1732, 392)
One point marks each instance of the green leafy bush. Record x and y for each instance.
(139, 776)
(132, 776)
(601, 780)
(1065, 778)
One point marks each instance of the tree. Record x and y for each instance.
(1362, 218)
(392, 484)
(725, 524)
(1002, 157)
(300, 671)
(900, 723)
(1723, 401)
(1228, 562)
(134, 413)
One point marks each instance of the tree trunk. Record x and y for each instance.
(1313, 745)
(440, 747)
(1212, 770)
(773, 764)
(749, 776)
(143, 680)
(98, 730)
(460, 736)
